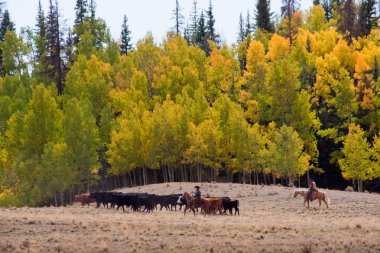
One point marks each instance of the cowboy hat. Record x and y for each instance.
(197, 187)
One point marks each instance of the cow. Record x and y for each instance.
(229, 205)
(169, 201)
(84, 199)
(212, 205)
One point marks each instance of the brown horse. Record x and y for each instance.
(321, 196)
(191, 203)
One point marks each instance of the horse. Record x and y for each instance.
(191, 203)
(321, 196)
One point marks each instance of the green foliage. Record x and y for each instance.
(285, 154)
(259, 106)
(356, 163)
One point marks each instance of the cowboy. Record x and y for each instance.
(197, 194)
(312, 187)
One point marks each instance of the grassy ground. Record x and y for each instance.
(270, 220)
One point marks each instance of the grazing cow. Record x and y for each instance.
(229, 205)
(84, 199)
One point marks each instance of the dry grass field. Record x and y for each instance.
(270, 220)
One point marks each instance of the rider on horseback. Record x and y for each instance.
(197, 194)
(312, 187)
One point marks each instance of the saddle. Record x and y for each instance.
(313, 191)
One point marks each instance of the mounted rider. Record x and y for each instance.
(312, 187)
(197, 195)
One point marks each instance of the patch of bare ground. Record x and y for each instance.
(270, 220)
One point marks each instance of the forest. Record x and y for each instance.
(292, 98)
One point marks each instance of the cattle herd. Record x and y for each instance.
(144, 202)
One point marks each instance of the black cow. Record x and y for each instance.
(229, 205)
(99, 198)
(169, 201)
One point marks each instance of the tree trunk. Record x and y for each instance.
(360, 185)
(134, 178)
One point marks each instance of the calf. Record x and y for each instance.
(84, 199)
(229, 205)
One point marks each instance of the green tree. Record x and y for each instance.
(210, 26)
(81, 136)
(41, 66)
(286, 154)
(367, 17)
(241, 34)
(81, 13)
(14, 55)
(54, 46)
(355, 163)
(56, 175)
(5, 26)
(126, 44)
(263, 16)
(201, 35)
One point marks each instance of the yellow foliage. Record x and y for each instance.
(278, 48)
(255, 56)
(345, 55)
(323, 42)
(316, 20)
(361, 67)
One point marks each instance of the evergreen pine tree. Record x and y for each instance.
(187, 34)
(263, 16)
(69, 45)
(92, 10)
(193, 23)
(316, 2)
(248, 25)
(326, 4)
(201, 35)
(54, 46)
(241, 36)
(211, 34)
(41, 55)
(6, 25)
(81, 13)
(40, 33)
(178, 17)
(126, 44)
(367, 19)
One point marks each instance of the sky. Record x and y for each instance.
(145, 15)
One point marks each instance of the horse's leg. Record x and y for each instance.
(324, 200)
(319, 202)
(184, 210)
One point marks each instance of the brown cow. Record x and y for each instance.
(212, 205)
(84, 199)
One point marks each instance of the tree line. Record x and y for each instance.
(300, 96)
